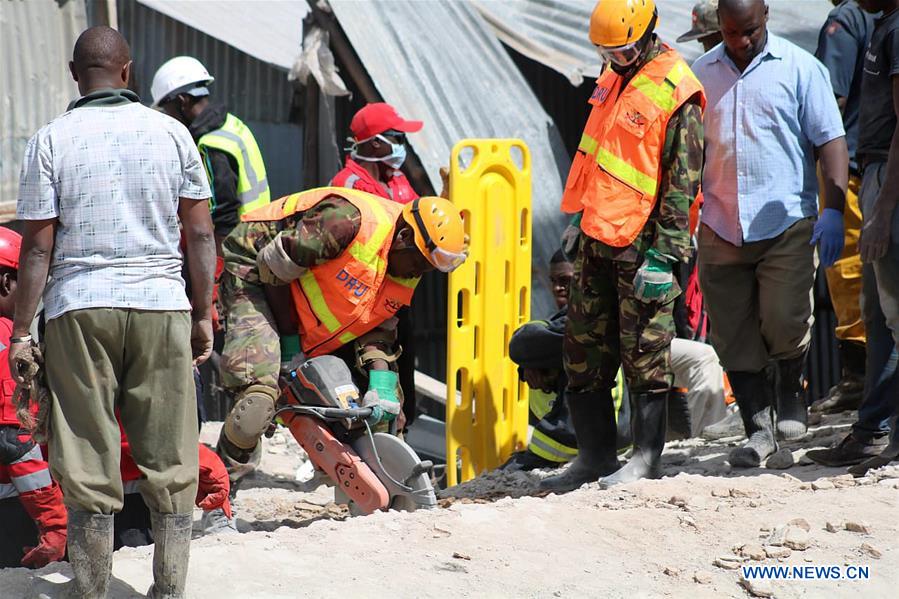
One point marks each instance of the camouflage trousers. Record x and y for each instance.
(607, 327)
(252, 351)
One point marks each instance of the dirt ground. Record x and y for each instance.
(683, 536)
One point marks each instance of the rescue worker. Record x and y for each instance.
(377, 152)
(334, 265)
(633, 180)
(705, 28)
(31, 508)
(227, 147)
(536, 347)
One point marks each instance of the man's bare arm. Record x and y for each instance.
(200, 242)
(34, 265)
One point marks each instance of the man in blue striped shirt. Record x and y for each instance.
(771, 116)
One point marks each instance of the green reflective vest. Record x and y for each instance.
(235, 139)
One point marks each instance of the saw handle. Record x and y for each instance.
(328, 413)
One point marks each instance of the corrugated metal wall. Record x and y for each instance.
(256, 92)
(36, 39)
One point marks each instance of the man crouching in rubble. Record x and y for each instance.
(325, 269)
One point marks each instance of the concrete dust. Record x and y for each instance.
(685, 535)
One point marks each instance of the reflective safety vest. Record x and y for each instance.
(235, 139)
(615, 175)
(346, 297)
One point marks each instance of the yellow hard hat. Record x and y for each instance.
(439, 231)
(617, 23)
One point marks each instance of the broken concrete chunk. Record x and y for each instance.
(801, 523)
(858, 526)
(722, 562)
(790, 536)
(671, 571)
(753, 552)
(702, 577)
(833, 527)
(757, 588)
(780, 460)
(822, 484)
(678, 501)
(777, 552)
(869, 549)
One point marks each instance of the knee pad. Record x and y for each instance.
(250, 416)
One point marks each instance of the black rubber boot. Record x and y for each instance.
(753, 393)
(171, 550)
(792, 409)
(680, 425)
(649, 423)
(889, 454)
(593, 417)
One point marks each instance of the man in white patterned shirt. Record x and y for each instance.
(103, 190)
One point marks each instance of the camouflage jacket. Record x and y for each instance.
(668, 228)
(311, 238)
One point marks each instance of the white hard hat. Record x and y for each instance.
(179, 73)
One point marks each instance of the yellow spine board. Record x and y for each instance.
(489, 297)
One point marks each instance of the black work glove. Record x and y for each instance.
(11, 448)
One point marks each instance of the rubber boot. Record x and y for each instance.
(593, 418)
(753, 393)
(649, 423)
(89, 546)
(171, 550)
(680, 425)
(792, 410)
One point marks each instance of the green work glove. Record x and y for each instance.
(290, 346)
(381, 396)
(654, 278)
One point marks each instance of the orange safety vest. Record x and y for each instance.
(616, 172)
(346, 297)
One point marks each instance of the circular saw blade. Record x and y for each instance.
(397, 460)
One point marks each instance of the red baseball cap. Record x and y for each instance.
(377, 118)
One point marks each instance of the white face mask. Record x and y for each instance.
(394, 160)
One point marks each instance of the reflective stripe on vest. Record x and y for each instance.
(7, 491)
(548, 448)
(236, 139)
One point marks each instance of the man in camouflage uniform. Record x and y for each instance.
(261, 329)
(620, 309)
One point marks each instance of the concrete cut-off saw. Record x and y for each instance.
(371, 471)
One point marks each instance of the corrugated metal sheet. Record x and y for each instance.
(36, 39)
(440, 62)
(554, 32)
(269, 30)
(255, 91)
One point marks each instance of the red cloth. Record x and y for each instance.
(213, 486)
(354, 176)
(47, 510)
(379, 117)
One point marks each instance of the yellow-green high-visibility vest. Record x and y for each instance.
(235, 139)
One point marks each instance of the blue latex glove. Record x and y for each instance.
(829, 233)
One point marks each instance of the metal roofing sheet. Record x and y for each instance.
(270, 30)
(554, 32)
(439, 62)
(36, 40)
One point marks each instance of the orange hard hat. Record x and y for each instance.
(10, 246)
(616, 23)
(439, 231)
